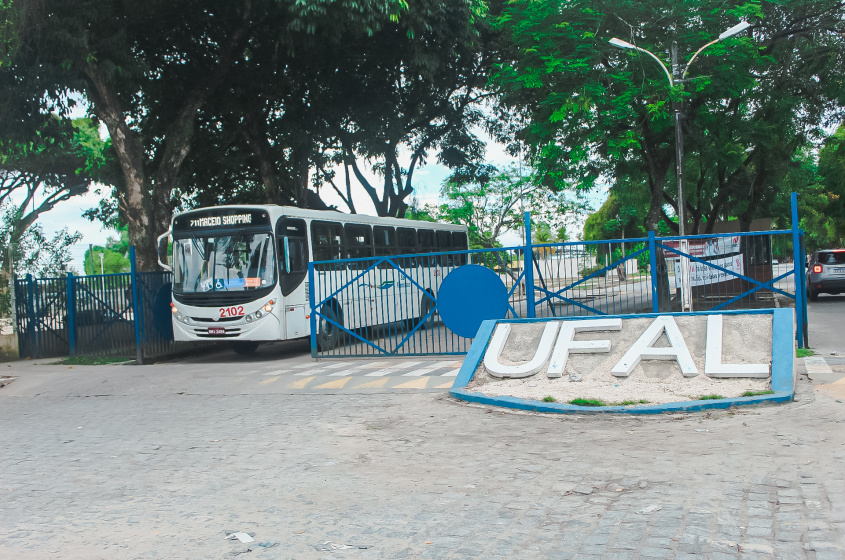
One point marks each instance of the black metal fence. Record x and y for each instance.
(101, 315)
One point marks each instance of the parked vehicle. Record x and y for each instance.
(826, 273)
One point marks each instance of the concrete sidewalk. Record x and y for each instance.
(124, 462)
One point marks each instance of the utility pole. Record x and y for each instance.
(678, 77)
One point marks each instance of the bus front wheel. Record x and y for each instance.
(329, 334)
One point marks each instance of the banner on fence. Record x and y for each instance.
(703, 274)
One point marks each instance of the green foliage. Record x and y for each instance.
(803, 352)
(586, 109)
(587, 402)
(818, 180)
(549, 398)
(710, 397)
(756, 393)
(30, 252)
(490, 201)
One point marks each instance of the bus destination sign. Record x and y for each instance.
(210, 221)
(229, 217)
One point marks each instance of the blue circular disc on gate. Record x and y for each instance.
(469, 295)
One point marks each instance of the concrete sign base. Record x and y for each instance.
(641, 364)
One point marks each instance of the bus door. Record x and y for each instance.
(292, 243)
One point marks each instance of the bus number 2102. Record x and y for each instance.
(231, 311)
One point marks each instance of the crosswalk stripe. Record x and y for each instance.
(403, 365)
(303, 373)
(302, 383)
(268, 381)
(419, 383)
(371, 365)
(381, 372)
(302, 366)
(816, 364)
(336, 384)
(340, 373)
(276, 372)
(453, 373)
(419, 372)
(334, 366)
(444, 386)
(374, 383)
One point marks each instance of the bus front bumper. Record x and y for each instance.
(266, 328)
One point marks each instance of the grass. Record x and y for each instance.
(756, 393)
(587, 402)
(629, 403)
(91, 361)
(549, 399)
(710, 397)
(803, 352)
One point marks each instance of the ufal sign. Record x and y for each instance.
(559, 340)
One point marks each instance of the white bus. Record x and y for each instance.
(240, 273)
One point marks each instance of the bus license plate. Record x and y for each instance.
(216, 330)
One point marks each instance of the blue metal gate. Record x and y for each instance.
(386, 306)
(103, 315)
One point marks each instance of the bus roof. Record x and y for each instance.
(275, 211)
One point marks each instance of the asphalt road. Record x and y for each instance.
(827, 319)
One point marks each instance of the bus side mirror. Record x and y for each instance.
(163, 244)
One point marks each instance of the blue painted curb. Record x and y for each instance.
(783, 368)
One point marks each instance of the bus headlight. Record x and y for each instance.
(249, 318)
(268, 307)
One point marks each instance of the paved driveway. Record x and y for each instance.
(163, 461)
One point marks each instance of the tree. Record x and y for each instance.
(148, 69)
(749, 102)
(429, 73)
(58, 162)
(818, 180)
(493, 201)
(30, 252)
(353, 106)
(115, 256)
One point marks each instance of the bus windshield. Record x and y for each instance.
(223, 263)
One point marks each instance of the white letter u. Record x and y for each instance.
(497, 343)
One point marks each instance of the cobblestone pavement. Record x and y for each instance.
(161, 461)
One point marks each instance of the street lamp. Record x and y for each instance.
(675, 78)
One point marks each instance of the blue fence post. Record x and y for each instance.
(529, 269)
(313, 314)
(652, 258)
(797, 273)
(136, 307)
(803, 291)
(71, 314)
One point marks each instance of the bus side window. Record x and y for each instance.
(326, 241)
(459, 243)
(357, 241)
(292, 246)
(444, 243)
(407, 240)
(426, 237)
(385, 243)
